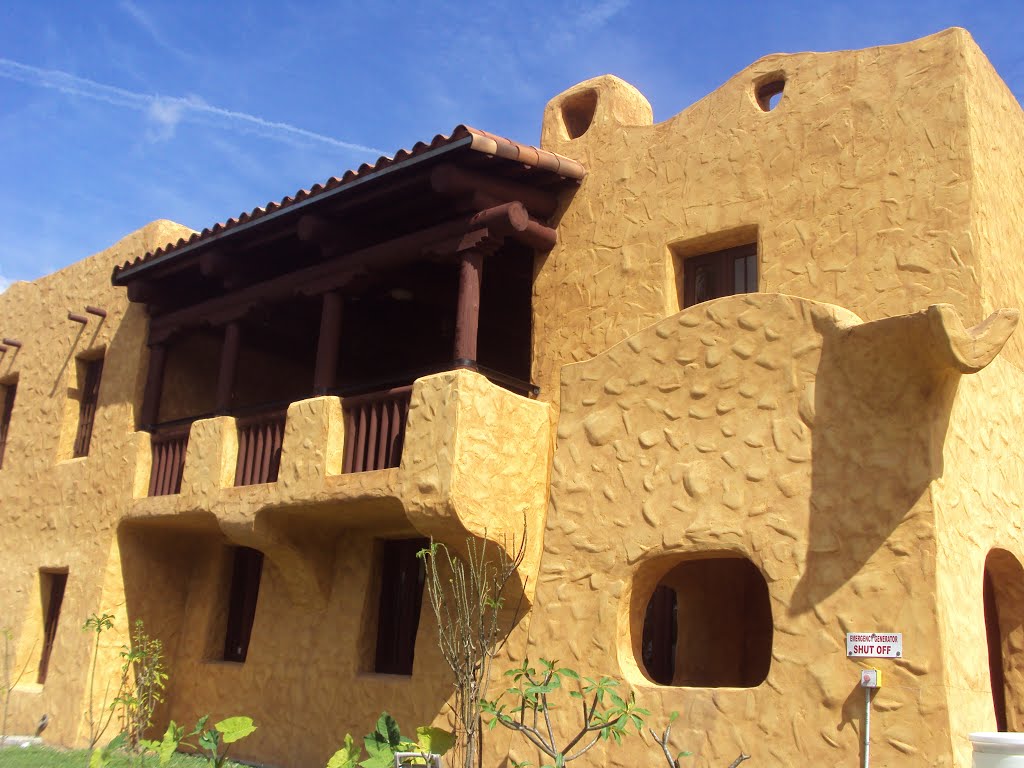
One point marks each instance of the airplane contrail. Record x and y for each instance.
(166, 109)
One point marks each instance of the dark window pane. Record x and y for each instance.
(752, 273)
(704, 285)
(8, 392)
(660, 635)
(401, 596)
(87, 406)
(245, 589)
(52, 586)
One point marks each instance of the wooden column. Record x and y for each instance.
(467, 315)
(154, 385)
(228, 365)
(326, 373)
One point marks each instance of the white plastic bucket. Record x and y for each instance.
(998, 750)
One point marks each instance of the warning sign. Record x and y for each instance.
(874, 645)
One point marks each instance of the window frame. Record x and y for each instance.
(10, 391)
(400, 602)
(723, 263)
(52, 588)
(88, 401)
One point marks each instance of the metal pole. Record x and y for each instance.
(867, 727)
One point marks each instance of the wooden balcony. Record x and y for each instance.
(450, 456)
(169, 446)
(260, 439)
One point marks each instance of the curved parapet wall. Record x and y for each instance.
(789, 434)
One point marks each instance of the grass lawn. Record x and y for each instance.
(47, 757)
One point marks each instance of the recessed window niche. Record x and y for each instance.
(708, 624)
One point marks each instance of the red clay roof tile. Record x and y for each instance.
(480, 141)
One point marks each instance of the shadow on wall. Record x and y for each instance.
(879, 414)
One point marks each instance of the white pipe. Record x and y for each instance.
(867, 727)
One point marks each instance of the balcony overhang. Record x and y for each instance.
(470, 189)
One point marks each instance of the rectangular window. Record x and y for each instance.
(7, 392)
(401, 595)
(245, 589)
(51, 588)
(722, 273)
(93, 370)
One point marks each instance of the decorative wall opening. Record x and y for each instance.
(578, 112)
(1003, 598)
(708, 624)
(247, 569)
(52, 584)
(8, 390)
(768, 91)
(402, 577)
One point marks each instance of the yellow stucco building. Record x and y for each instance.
(748, 377)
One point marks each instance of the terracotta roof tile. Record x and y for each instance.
(479, 141)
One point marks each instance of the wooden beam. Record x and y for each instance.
(326, 374)
(316, 229)
(450, 179)
(467, 313)
(501, 221)
(228, 365)
(154, 385)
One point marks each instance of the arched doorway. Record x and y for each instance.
(1003, 597)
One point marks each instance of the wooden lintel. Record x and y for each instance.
(450, 179)
(503, 220)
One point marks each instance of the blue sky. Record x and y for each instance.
(118, 112)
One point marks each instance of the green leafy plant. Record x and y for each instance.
(606, 716)
(208, 743)
(468, 596)
(662, 741)
(386, 741)
(143, 679)
(99, 758)
(674, 762)
(9, 680)
(98, 721)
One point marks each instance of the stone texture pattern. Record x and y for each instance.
(884, 181)
(787, 432)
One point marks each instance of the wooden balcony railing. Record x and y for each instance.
(259, 448)
(375, 429)
(169, 444)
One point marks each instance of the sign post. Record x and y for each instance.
(872, 645)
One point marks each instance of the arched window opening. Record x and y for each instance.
(1003, 599)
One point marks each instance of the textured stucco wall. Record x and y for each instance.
(789, 433)
(60, 512)
(859, 186)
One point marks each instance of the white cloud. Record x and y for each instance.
(144, 20)
(5, 283)
(166, 112)
(598, 14)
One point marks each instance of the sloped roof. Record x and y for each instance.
(462, 136)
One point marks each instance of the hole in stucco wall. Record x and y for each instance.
(768, 91)
(708, 625)
(52, 585)
(578, 112)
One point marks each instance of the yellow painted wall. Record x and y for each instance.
(835, 439)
